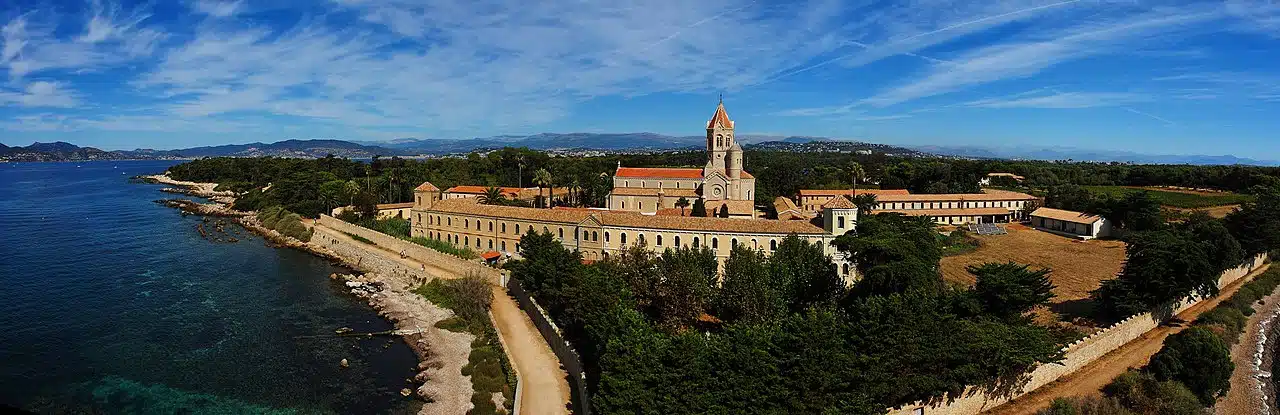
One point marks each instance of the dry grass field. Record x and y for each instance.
(1078, 267)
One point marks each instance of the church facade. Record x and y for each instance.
(721, 183)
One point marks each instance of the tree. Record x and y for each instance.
(1161, 266)
(894, 253)
(1256, 225)
(492, 196)
(804, 275)
(1225, 252)
(1009, 290)
(748, 293)
(1141, 392)
(857, 174)
(682, 203)
(724, 211)
(1069, 197)
(699, 208)
(1199, 359)
(1135, 211)
(542, 178)
(865, 202)
(688, 275)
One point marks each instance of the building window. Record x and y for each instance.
(606, 237)
(846, 269)
(504, 245)
(840, 222)
(624, 238)
(490, 244)
(466, 240)
(561, 233)
(466, 223)
(677, 241)
(695, 242)
(595, 236)
(450, 221)
(517, 229)
(773, 245)
(624, 204)
(733, 243)
(659, 240)
(754, 243)
(715, 243)
(490, 226)
(504, 227)
(545, 230)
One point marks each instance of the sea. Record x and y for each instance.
(110, 303)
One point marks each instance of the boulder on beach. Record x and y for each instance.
(344, 363)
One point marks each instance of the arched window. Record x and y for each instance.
(773, 245)
(733, 243)
(504, 245)
(846, 269)
(754, 244)
(715, 243)
(561, 233)
(466, 223)
(624, 238)
(659, 240)
(695, 242)
(466, 240)
(490, 244)
(640, 239)
(490, 226)
(477, 224)
(624, 204)
(606, 237)
(517, 229)
(595, 236)
(840, 222)
(545, 230)
(477, 243)
(677, 241)
(450, 221)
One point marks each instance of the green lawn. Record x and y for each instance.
(1176, 199)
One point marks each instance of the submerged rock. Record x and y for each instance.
(344, 363)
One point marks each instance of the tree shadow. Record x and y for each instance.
(1073, 309)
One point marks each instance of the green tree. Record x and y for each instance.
(1069, 197)
(542, 178)
(894, 254)
(682, 203)
(1141, 392)
(493, 196)
(1161, 266)
(724, 211)
(804, 275)
(1009, 290)
(1225, 252)
(688, 275)
(1256, 225)
(1197, 358)
(699, 208)
(865, 202)
(748, 292)
(856, 173)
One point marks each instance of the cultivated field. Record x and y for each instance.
(1185, 199)
(1078, 267)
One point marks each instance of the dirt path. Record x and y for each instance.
(544, 388)
(1090, 379)
(1244, 397)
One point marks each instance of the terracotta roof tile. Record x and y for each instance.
(839, 202)
(946, 212)
(425, 186)
(632, 191)
(659, 172)
(850, 192)
(720, 117)
(1066, 215)
(385, 206)
(469, 206)
(950, 197)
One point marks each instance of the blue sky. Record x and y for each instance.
(1157, 77)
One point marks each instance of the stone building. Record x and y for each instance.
(598, 233)
(990, 206)
(721, 183)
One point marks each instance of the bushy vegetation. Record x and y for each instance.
(286, 222)
(958, 242)
(1175, 199)
(444, 247)
(666, 333)
(359, 238)
(490, 371)
(1172, 261)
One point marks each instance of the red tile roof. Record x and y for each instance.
(720, 117)
(947, 212)
(1066, 215)
(849, 192)
(479, 190)
(839, 202)
(491, 255)
(425, 186)
(665, 173)
(386, 206)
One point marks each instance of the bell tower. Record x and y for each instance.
(719, 138)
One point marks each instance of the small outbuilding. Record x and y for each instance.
(1070, 223)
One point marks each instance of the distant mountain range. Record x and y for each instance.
(1078, 154)
(61, 151)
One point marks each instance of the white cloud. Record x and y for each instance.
(217, 8)
(110, 36)
(1055, 99)
(40, 94)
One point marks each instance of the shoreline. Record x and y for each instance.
(441, 353)
(1252, 389)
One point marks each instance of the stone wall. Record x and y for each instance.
(416, 252)
(1081, 353)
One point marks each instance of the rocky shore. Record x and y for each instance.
(386, 286)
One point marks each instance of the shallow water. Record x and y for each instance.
(114, 304)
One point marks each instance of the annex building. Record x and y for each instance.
(990, 206)
(721, 183)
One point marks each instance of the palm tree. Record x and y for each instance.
(865, 202)
(492, 196)
(682, 203)
(542, 178)
(575, 192)
(351, 190)
(858, 174)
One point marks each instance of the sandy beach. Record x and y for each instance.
(1252, 356)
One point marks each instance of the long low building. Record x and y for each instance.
(1071, 223)
(465, 222)
(990, 206)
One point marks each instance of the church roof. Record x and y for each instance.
(720, 117)
(426, 187)
(839, 202)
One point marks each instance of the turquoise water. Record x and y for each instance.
(110, 303)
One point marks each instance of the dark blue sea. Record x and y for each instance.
(110, 303)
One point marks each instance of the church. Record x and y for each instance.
(721, 183)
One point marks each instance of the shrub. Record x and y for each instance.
(359, 238)
(1197, 358)
(1088, 405)
(490, 372)
(1142, 393)
(444, 247)
(1230, 318)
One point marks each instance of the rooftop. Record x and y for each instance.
(633, 191)
(988, 195)
(1066, 215)
(720, 117)
(839, 202)
(468, 206)
(665, 173)
(850, 192)
(946, 212)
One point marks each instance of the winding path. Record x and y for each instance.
(1090, 379)
(544, 388)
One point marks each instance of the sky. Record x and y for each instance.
(1160, 77)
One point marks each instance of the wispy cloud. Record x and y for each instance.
(39, 94)
(217, 8)
(1046, 98)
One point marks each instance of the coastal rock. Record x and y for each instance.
(405, 392)
(344, 330)
(344, 363)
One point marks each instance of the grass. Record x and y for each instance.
(1185, 200)
(958, 243)
(359, 238)
(487, 365)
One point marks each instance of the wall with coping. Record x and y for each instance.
(1080, 353)
(416, 252)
